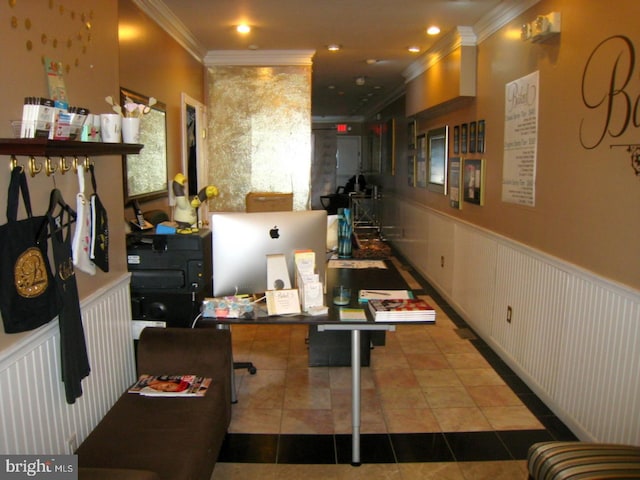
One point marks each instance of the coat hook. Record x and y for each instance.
(51, 168)
(87, 163)
(13, 163)
(34, 166)
(64, 167)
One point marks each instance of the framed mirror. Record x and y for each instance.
(145, 174)
(437, 154)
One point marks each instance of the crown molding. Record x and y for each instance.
(468, 36)
(259, 57)
(500, 16)
(460, 36)
(166, 19)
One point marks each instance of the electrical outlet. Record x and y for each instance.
(509, 313)
(72, 443)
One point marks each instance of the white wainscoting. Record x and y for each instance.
(34, 415)
(574, 337)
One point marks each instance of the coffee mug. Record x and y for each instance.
(110, 127)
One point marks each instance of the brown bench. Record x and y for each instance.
(582, 460)
(149, 438)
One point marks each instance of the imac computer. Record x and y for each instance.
(241, 242)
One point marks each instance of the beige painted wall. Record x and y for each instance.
(91, 73)
(154, 64)
(585, 198)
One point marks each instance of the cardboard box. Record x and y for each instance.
(269, 202)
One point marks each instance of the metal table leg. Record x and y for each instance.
(355, 398)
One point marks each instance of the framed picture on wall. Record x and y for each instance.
(463, 137)
(481, 129)
(455, 182)
(473, 186)
(411, 135)
(437, 154)
(411, 170)
(456, 140)
(472, 137)
(421, 161)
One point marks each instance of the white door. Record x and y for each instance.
(348, 157)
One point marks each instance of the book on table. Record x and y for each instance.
(365, 295)
(401, 309)
(171, 386)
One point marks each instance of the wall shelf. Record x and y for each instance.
(42, 147)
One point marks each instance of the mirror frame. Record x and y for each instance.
(152, 157)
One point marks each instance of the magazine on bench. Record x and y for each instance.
(171, 386)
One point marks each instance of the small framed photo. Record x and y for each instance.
(463, 137)
(456, 140)
(411, 135)
(455, 182)
(472, 137)
(481, 129)
(421, 161)
(411, 170)
(473, 187)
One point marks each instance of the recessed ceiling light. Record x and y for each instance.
(414, 49)
(243, 28)
(334, 47)
(433, 30)
(372, 61)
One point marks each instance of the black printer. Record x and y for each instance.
(170, 276)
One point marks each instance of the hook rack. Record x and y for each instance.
(51, 167)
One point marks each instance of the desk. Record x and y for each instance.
(356, 279)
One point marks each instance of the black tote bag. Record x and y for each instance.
(28, 297)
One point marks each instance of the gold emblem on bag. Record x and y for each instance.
(30, 273)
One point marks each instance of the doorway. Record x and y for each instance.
(194, 163)
(348, 159)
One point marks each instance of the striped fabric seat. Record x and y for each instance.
(582, 461)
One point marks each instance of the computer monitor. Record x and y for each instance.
(241, 242)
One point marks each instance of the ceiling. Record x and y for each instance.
(377, 30)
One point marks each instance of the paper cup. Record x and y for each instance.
(110, 127)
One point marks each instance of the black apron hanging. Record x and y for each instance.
(73, 349)
(28, 297)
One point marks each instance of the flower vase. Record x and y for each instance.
(131, 129)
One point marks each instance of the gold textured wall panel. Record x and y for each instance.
(259, 127)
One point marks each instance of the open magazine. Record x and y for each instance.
(171, 386)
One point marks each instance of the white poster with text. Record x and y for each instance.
(520, 140)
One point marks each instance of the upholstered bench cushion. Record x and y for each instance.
(582, 461)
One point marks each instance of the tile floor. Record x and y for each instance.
(436, 403)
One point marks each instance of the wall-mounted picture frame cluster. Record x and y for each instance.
(466, 181)
(469, 138)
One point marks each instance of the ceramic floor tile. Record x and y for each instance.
(503, 470)
(255, 420)
(479, 376)
(410, 420)
(432, 361)
(493, 396)
(307, 421)
(446, 377)
(431, 471)
(296, 397)
(310, 377)
(462, 419)
(395, 377)
(443, 397)
(402, 398)
(511, 418)
(371, 421)
(464, 360)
